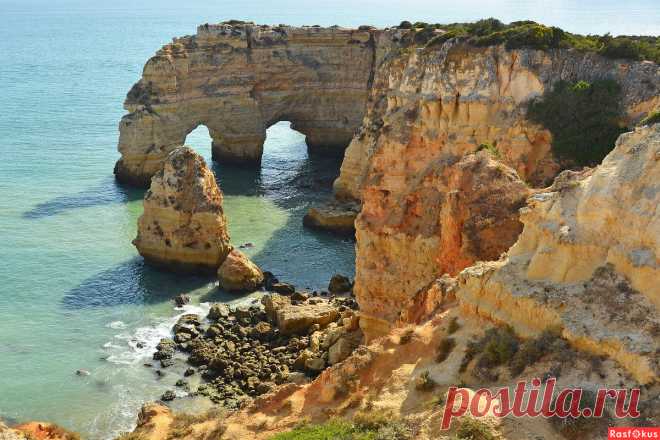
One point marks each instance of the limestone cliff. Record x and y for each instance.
(455, 212)
(183, 226)
(428, 207)
(587, 261)
(427, 109)
(237, 80)
(427, 103)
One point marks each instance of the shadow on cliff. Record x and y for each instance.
(131, 282)
(109, 191)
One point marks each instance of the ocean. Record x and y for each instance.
(74, 293)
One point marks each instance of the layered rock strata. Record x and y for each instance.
(428, 108)
(587, 261)
(429, 103)
(421, 110)
(455, 213)
(237, 80)
(183, 226)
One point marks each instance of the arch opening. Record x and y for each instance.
(200, 140)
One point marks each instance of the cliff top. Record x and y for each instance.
(482, 33)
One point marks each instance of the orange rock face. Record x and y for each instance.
(455, 215)
(426, 209)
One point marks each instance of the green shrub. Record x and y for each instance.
(491, 148)
(424, 35)
(445, 347)
(473, 429)
(424, 382)
(405, 24)
(500, 344)
(439, 40)
(381, 426)
(581, 427)
(365, 426)
(583, 119)
(531, 351)
(529, 34)
(453, 326)
(496, 347)
(535, 36)
(652, 118)
(333, 429)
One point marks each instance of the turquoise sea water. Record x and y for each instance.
(73, 292)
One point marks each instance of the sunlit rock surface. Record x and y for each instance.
(587, 261)
(183, 227)
(237, 80)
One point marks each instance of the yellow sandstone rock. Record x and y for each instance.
(237, 80)
(587, 261)
(238, 273)
(183, 226)
(428, 109)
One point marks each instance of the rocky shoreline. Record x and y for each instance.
(235, 354)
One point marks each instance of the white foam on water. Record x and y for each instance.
(127, 351)
(140, 345)
(117, 325)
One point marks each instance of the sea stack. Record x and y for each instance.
(183, 227)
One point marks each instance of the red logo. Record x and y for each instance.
(633, 433)
(534, 400)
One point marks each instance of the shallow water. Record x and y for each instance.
(73, 292)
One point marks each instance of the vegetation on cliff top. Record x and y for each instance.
(584, 119)
(652, 118)
(529, 34)
(365, 426)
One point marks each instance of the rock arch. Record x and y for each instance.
(239, 79)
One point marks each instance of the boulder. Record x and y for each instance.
(340, 350)
(339, 284)
(338, 217)
(181, 300)
(269, 280)
(315, 364)
(283, 288)
(168, 396)
(297, 319)
(262, 331)
(7, 433)
(238, 273)
(164, 349)
(218, 311)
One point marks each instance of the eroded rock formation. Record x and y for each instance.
(183, 226)
(422, 111)
(588, 260)
(453, 214)
(426, 104)
(428, 108)
(239, 79)
(333, 216)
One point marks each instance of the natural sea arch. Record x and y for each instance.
(238, 80)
